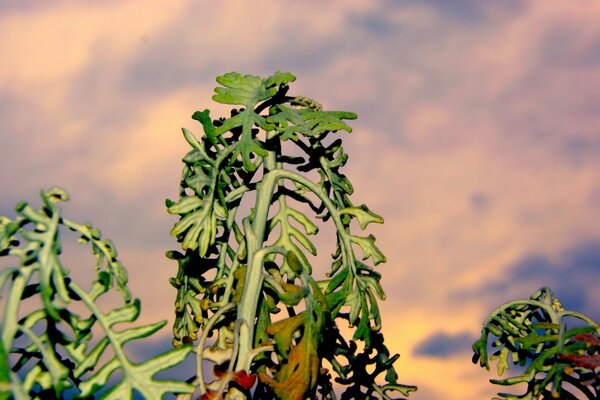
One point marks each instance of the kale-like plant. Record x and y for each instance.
(56, 339)
(557, 361)
(254, 188)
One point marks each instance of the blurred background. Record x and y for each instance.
(477, 140)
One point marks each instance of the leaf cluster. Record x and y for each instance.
(557, 361)
(47, 348)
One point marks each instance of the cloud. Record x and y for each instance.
(443, 345)
(22, 6)
(476, 139)
(571, 276)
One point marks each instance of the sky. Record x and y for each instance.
(477, 140)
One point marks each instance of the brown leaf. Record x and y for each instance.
(298, 376)
(582, 360)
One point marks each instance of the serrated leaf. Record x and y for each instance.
(289, 232)
(248, 91)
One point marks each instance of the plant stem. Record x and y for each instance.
(255, 235)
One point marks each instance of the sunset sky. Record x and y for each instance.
(478, 141)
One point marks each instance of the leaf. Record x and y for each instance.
(138, 377)
(337, 280)
(209, 129)
(320, 122)
(51, 353)
(363, 215)
(185, 205)
(248, 91)
(308, 122)
(292, 293)
(298, 376)
(367, 244)
(296, 260)
(283, 331)
(198, 227)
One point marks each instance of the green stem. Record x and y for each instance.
(200, 347)
(11, 309)
(255, 235)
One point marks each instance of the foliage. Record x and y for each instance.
(254, 191)
(47, 349)
(241, 267)
(557, 361)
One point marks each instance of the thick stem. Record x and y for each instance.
(255, 235)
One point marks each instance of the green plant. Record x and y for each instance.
(47, 349)
(557, 361)
(253, 189)
(241, 267)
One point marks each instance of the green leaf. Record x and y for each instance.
(200, 228)
(337, 280)
(185, 205)
(308, 122)
(363, 215)
(51, 353)
(367, 244)
(248, 91)
(289, 234)
(209, 129)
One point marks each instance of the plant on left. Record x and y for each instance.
(47, 350)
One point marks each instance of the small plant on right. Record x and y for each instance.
(558, 362)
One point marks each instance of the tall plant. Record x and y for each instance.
(242, 266)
